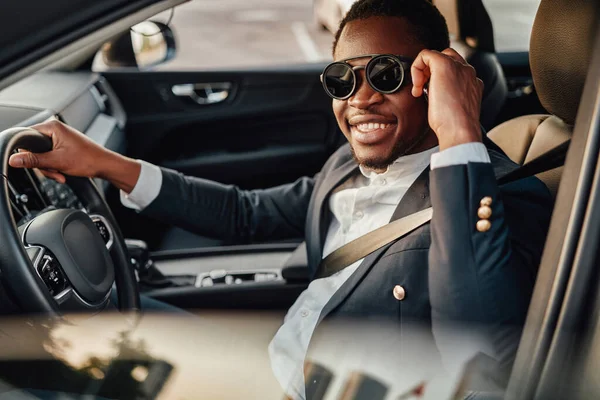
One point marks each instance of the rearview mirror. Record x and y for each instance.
(146, 44)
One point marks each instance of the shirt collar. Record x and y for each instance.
(403, 166)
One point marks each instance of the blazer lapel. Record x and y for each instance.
(321, 215)
(415, 199)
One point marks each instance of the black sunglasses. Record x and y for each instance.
(385, 73)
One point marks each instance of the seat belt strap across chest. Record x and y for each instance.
(361, 247)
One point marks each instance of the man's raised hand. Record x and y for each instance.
(454, 93)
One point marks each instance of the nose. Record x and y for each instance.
(364, 96)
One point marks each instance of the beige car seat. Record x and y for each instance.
(560, 52)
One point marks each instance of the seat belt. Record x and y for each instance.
(551, 159)
(361, 247)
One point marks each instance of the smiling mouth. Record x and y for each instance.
(371, 132)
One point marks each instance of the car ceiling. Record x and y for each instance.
(32, 29)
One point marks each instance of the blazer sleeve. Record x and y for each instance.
(484, 279)
(229, 213)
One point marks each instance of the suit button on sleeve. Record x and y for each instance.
(483, 225)
(399, 293)
(484, 212)
(486, 201)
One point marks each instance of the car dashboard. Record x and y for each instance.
(82, 100)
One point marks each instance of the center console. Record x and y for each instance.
(258, 277)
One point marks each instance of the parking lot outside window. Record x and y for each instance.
(512, 21)
(234, 34)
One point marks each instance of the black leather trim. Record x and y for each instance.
(17, 272)
(495, 91)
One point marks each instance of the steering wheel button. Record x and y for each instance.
(52, 276)
(103, 230)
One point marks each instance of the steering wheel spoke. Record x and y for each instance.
(105, 229)
(51, 274)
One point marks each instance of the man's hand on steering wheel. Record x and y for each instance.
(75, 154)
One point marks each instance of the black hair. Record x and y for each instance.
(429, 25)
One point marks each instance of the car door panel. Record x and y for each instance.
(272, 127)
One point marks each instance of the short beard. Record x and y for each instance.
(400, 149)
(381, 163)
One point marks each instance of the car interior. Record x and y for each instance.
(237, 138)
(255, 128)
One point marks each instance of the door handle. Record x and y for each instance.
(203, 93)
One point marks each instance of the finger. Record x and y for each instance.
(50, 129)
(27, 159)
(420, 72)
(57, 176)
(453, 54)
(47, 128)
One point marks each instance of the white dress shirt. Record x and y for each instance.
(360, 205)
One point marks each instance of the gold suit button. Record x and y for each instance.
(486, 201)
(399, 292)
(484, 212)
(483, 225)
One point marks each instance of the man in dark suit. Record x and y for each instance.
(409, 107)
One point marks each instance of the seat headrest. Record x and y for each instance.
(468, 21)
(561, 46)
(475, 23)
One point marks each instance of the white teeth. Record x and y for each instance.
(371, 126)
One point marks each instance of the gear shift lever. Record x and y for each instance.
(147, 273)
(138, 251)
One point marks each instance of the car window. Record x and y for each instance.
(512, 21)
(229, 34)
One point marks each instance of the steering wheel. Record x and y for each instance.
(59, 261)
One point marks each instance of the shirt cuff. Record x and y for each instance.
(461, 154)
(146, 188)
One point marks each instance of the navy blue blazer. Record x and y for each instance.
(450, 271)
